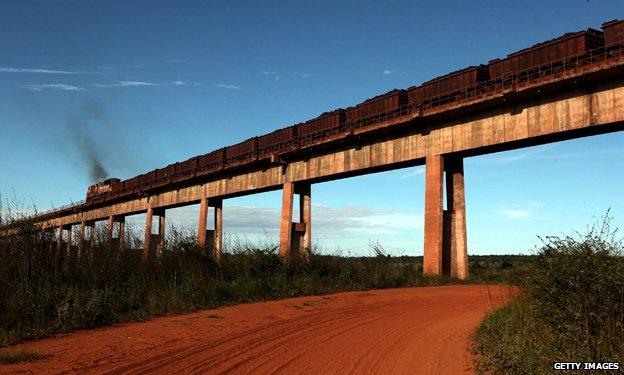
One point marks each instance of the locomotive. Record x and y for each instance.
(547, 58)
(101, 187)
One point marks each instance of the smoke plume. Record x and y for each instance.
(82, 127)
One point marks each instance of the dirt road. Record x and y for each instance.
(403, 331)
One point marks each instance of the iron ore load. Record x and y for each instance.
(542, 61)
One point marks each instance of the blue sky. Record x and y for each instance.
(170, 80)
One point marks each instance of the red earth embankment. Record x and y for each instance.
(404, 331)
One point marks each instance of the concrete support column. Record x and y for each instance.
(69, 240)
(286, 222)
(121, 227)
(110, 228)
(203, 218)
(218, 231)
(456, 205)
(91, 241)
(147, 239)
(305, 218)
(122, 234)
(434, 175)
(59, 240)
(81, 239)
(212, 236)
(296, 238)
(161, 231)
(445, 245)
(154, 240)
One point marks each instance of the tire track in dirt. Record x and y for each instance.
(409, 330)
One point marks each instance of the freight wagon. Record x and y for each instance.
(329, 123)
(378, 106)
(187, 168)
(212, 161)
(445, 88)
(543, 56)
(530, 63)
(240, 153)
(277, 142)
(613, 33)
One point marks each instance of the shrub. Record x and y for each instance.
(572, 308)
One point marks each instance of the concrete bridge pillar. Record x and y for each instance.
(69, 240)
(91, 241)
(59, 240)
(211, 236)
(152, 241)
(445, 244)
(120, 222)
(81, 240)
(296, 238)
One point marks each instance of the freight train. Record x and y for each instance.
(551, 57)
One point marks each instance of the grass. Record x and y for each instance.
(571, 309)
(19, 355)
(45, 293)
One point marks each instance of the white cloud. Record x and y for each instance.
(514, 213)
(388, 71)
(140, 65)
(5, 69)
(524, 210)
(328, 222)
(176, 60)
(178, 83)
(227, 86)
(305, 75)
(417, 172)
(268, 72)
(53, 86)
(125, 84)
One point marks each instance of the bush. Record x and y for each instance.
(572, 309)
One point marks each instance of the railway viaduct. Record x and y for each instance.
(577, 103)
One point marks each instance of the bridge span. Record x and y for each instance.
(579, 102)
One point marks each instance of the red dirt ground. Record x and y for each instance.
(404, 331)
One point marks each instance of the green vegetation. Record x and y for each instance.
(44, 293)
(19, 355)
(572, 309)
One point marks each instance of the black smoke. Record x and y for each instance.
(84, 138)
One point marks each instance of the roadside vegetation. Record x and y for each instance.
(571, 308)
(45, 293)
(19, 355)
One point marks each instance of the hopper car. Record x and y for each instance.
(565, 52)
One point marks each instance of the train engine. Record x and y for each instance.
(101, 187)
